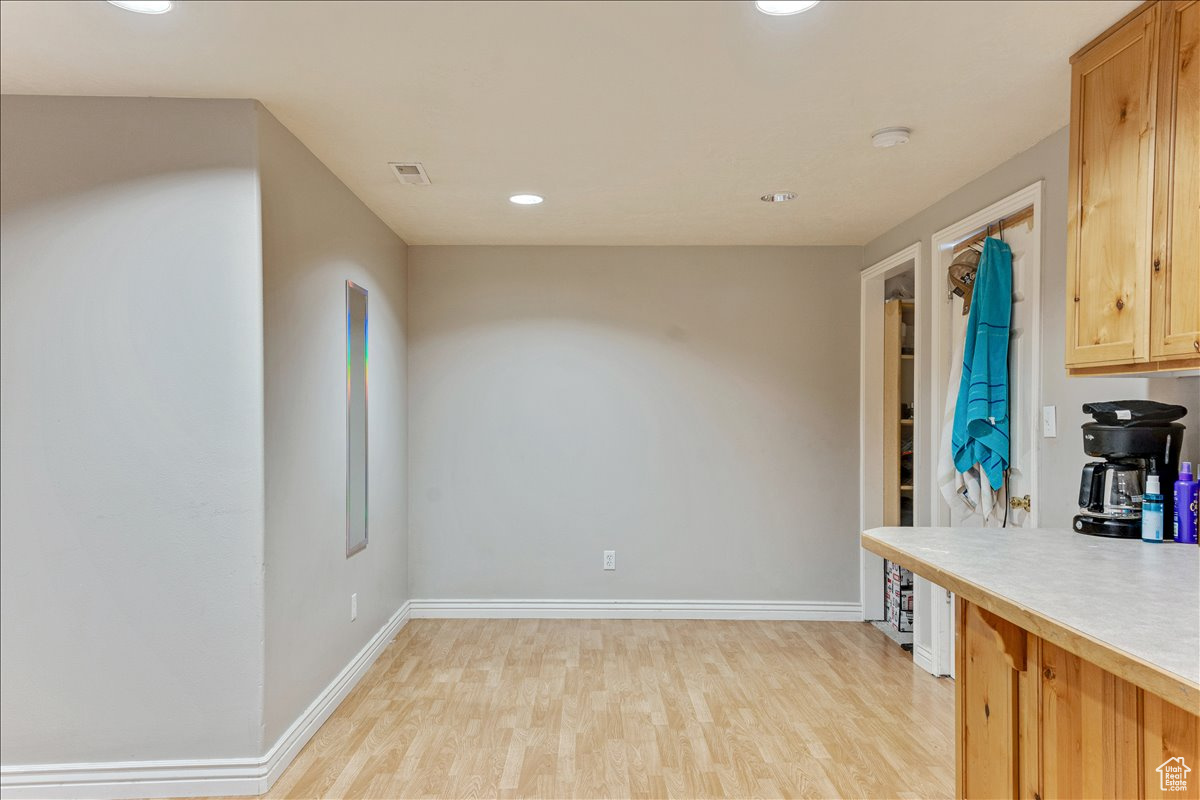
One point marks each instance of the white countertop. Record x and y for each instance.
(1139, 599)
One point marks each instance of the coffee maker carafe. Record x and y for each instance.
(1133, 437)
(1110, 499)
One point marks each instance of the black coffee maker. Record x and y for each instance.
(1135, 437)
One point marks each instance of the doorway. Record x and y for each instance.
(902, 276)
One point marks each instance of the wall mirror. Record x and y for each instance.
(356, 418)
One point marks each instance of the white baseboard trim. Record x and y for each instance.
(197, 778)
(295, 737)
(637, 609)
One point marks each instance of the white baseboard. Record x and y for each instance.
(636, 609)
(295, 737)
(197, 778)
(253, 776)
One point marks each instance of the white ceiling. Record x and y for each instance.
(641, 122)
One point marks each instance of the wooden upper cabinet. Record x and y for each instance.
(1133, 239)
(1175, 281)
(1109, 219)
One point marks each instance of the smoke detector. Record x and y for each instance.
(410, 173)
(890, 137)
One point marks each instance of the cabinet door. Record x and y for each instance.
(996, 705)
(1113, 91)
(1171, 747)
(1089, 734)
(1175, 299)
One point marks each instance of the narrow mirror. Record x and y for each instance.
(356, 418)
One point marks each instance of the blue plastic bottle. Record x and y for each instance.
(1152, 510)
(1185, 505)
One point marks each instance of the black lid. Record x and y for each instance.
(1133, 413)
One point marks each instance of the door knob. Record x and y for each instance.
(1022, 503)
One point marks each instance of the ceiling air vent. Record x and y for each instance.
(410, 172)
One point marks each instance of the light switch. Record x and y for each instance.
(1049, 422)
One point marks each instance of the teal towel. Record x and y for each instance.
(981, 423)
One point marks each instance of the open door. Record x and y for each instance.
(934, 618)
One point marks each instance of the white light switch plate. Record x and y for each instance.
(1049, 422)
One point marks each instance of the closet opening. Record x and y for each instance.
(890, 429)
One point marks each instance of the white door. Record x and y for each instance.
(949, 327)
(1023, 405)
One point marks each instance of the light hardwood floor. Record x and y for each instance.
(635, 708)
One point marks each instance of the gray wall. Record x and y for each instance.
(175, 584)
(131, 411)
(694, 409)
(1061, 456)
(317, 234)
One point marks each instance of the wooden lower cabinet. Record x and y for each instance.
(1035, 721)
(1089, 726)
(1168, 732)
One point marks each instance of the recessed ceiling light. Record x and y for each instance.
(890, 137)
(144, 6)
(781, 8)
(526, 199)
(778, 197)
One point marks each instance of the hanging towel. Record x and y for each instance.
(949, 479)
(981, 423)
(966, 493)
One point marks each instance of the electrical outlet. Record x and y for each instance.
(354, 606)
(610, 559)
(1049, 422)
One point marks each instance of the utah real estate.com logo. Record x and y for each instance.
(1172, 775)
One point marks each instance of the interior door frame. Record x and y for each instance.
(941, 244)
(870, 318)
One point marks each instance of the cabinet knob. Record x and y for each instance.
(1157, 264)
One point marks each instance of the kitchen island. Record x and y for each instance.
(1077, 659)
